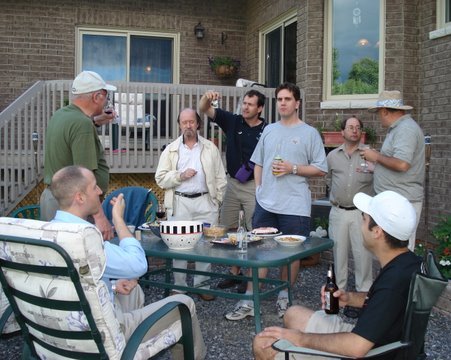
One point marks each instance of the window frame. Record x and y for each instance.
(281, 21)
(353, 100)
(443, 26)
(175, 37)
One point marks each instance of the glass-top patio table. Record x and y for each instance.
(265, 253)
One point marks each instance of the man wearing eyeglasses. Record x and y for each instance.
(348, 175)
(71, 139)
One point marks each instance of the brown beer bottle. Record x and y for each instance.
(332, 306)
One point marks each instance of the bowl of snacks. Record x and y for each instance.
(181, 235)
(290, 240)
(214, 231)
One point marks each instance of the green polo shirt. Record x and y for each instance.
(71, 139)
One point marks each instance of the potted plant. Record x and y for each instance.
(442, 233)
(370, 135)
(333, 138)
(224, 66)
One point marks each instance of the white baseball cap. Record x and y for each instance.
(89, 81)
(391, 211)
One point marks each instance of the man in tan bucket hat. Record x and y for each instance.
(400, 163)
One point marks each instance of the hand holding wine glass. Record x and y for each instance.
(364, 163)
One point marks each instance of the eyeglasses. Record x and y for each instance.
(353, 128)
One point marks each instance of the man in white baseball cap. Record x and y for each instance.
(388, 221)
(71, 139)
(89, 81)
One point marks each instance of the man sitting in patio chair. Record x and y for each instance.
(76, 191)
(388, 221)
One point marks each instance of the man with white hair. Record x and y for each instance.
(400, 164)
(388, 221)
(191, 172)
(71, 139)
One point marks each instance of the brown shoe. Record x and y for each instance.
(228, 283)
(207, 297)
(242, 287)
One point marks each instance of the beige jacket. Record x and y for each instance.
(168, 178)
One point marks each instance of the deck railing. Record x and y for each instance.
(148, 122)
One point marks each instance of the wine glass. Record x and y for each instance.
(364, 163)
(109, 105)
(161, 212)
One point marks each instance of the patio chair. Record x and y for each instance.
(425, 289)
(28, 212)
(8, 323)
(51, 274)
(141, 205)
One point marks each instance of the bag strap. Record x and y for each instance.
(239, 141)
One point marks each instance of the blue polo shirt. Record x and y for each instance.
(124, 261)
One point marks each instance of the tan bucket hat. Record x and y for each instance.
(391, 100)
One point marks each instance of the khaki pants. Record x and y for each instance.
(345, 230)
(418, 207)
(238, 196)
(202, 209)
(131, 312)
(320, 323)
(48, 205)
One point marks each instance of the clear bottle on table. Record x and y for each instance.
(241, 233)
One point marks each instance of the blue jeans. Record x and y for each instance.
(287, 224)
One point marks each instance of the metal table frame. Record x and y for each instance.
(263, 254)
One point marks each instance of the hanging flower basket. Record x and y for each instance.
(224, 67)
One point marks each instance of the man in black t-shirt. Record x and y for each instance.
(388, 221)
(242, 134)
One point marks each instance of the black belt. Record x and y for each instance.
(190, 196)
(345, 207)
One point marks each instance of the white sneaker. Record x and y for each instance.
(240, 311)
(282, 306)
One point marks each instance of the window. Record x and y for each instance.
(129, 56)
(443, 13)
(278, 51)
(354, 49)
(443, 20)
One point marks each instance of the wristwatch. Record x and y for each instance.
(113, 288)
(295, 169)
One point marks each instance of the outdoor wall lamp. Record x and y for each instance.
(199, 31)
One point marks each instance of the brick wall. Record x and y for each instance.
(37, 39)
(435, 110)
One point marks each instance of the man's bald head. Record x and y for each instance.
(66, 182)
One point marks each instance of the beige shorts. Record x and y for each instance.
(320, 323)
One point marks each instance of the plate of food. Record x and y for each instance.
(223, 241)
(231, 239)
(266, 231)
(290, 240)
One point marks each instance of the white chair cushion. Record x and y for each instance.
(85, 246)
